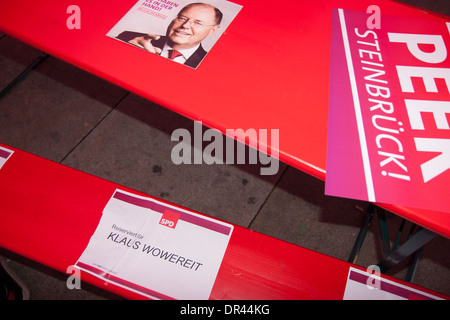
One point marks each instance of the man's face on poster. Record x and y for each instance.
(191, 26)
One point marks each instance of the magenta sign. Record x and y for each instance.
(389, 111)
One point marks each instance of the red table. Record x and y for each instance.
(265, 88)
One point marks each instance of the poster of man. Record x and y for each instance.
(180, 30)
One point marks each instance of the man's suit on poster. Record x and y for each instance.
(193, 61)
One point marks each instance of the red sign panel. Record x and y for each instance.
(389, 134)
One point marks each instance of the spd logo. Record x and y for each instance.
(169, 219)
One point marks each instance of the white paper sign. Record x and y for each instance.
(155, 249)
(5, 154)
(363, 285)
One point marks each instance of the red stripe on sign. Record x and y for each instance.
(4, 153)
(158, 207)
(389, 287)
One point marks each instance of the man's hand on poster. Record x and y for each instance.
(145, 43)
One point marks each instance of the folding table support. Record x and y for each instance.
(393, 255)
(411, 246)
(362, 234)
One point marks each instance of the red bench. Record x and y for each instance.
(49, 212)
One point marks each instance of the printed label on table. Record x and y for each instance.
(362, 285)
(155, 249)
(389, 113)
(5, 154)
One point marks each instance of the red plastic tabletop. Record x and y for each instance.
(248, 80)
